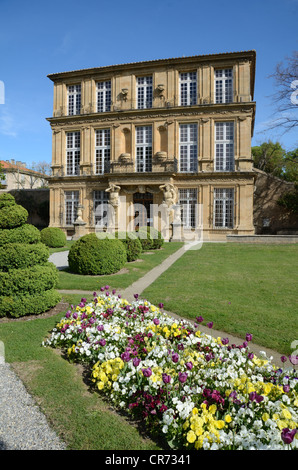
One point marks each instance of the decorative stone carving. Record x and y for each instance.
(170, 194)
(113, 189)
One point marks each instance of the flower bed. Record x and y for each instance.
(196, 391)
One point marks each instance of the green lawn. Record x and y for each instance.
(130, 273)
(62, 248)
(241, 288)
(82, 419)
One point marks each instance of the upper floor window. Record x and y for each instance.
(104, 96)
(73, 99)
(224, 146)
(143, 148)
(223, 85)
(223, 207)
(144, 92)
(188, 89)
(73, 150)
(188, 148)
(102, 151)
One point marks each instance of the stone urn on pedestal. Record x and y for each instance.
(79, 224)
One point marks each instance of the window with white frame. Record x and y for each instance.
(188, 88)
(223, 82)
(73, 99)
(188, 201)
(224, 146)
(188, 148)
(143, 148)
(73, 150)
(144, 92)
(104, 96)
(223, 207)
(71, 205)
(100, 208)
(102, 151)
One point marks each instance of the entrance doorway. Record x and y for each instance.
(142, 209)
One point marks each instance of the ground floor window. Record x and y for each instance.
(188, 202)
(71, 205)
(100, 208)
(223, 207)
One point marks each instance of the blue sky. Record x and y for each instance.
(39, 37)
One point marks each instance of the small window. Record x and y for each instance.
(144, 92)
(223, 82)
(188, 89)
(143, 149)
(104, 96)
(74, 99)
(71, 206)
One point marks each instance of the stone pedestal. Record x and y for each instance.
(79, 225)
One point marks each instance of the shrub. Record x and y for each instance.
(150, 238)
(19, 256)
(20, 305)
(12, 216)
(53, 237)
(29, 280)
(90, 255)
(132, 244)
(6, 199)
(24, 234)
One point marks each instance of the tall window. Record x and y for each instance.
(224, 146)
(223, 85)
(102, 151)
(223, 207)
(188, 88)
(104, 96)
(100, 202)
(73, 99)
(188, 148)
(73, 143)
(71, 205)
(144, 92)
(144, 148)
(188, 202)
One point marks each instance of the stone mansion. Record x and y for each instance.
(171, 133)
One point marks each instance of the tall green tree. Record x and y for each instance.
(272, 158)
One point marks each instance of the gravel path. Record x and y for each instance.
(22, 425)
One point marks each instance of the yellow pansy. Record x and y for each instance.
(191, 437)
(228, 419)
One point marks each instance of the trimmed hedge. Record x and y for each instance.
(53, 237)
(23, 234)
(12, 216)
(6, 199)
(19, 256)
(18, 306)
(132, 244)
(150, 238)
(91, 255)
(28, 280)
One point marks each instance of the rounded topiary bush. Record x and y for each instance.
(53, 237)
(132, 244)
(24, 234)
(91, 255)
(12, 216)
(27, 279)
(150, 238)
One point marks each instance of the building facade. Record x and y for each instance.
(17, 176)
(172, 133)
